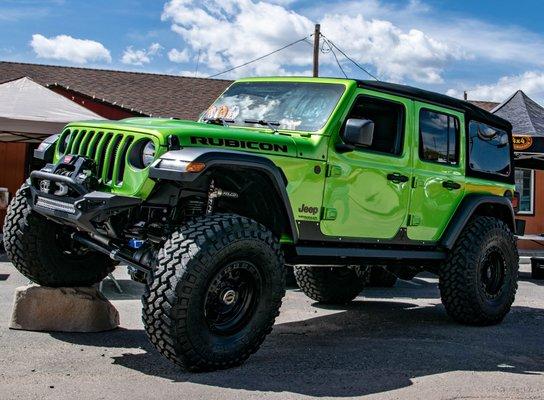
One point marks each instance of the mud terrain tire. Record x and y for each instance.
(44, 252)
(215, 293)
(331, 285)
(479, 280)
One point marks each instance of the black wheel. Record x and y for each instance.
(44, 252)
(479, 280)
(331, 285)
(215, 293)
(537, 269)
(380, 277)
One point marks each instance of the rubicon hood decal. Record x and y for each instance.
(239, 144)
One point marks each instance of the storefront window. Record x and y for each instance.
(525, 179)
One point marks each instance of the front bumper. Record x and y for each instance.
(86, 210)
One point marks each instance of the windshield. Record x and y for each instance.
(294, 106)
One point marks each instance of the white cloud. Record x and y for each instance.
(476, 37)
(178, 56)
(64, 47)
(531, 82)
(396, 54)
(231, 32)
(141, 56)
(193, 74)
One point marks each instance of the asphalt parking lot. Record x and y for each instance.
(389, 343)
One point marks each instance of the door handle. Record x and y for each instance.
(397, 178)
(451, 185)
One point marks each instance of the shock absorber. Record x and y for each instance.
(215, 193)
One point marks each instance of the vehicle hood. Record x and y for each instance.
(196, 134)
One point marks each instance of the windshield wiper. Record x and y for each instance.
(218, 121)
(270, 124)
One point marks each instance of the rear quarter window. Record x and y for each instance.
(489, 150)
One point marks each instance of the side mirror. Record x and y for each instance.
(358, 132)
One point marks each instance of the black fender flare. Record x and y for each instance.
(172, 166)
(466, 210)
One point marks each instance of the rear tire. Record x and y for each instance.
(478, 282)
(331, 285)
(43, 251)
(215, 293)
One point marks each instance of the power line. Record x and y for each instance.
(349, 58)
(197, 62)
(336, 58)
(259, 58)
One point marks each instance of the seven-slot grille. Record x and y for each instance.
(108, 149)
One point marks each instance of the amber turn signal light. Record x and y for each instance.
(195, 167)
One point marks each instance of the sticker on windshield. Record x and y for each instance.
(233, 112)
(222, 112)
(211, 112)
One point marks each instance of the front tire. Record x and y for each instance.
(478, 282)
(331, 285)
(215, 293)
(43, 251)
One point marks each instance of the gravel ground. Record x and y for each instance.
(390, 343)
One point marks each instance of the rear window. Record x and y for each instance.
(489, 149)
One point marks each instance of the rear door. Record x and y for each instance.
(438, 181)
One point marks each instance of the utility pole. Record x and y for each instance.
(317, 36)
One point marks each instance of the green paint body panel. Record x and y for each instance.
(348, 194)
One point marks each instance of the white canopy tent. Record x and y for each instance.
(29, 112)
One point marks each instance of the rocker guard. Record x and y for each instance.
(87, 207)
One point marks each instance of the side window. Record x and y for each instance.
(525, 185)
(388, 118)
(438, 137)
(489, 149)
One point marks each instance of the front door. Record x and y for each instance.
(367, 190)
(438, 171)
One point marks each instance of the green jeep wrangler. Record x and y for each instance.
(329, 175)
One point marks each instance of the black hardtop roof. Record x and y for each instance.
(471, 111)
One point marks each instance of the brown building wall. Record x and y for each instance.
(103, 109)
(534, 224)
(12, 168)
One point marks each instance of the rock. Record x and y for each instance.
(81, 309)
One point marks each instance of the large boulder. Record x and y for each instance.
(80, 309)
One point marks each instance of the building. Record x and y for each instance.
(527, 119)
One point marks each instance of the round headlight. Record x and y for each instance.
(148, 154)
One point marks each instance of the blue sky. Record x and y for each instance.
(489, 48)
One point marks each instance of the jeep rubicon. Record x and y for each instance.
(329, 175)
